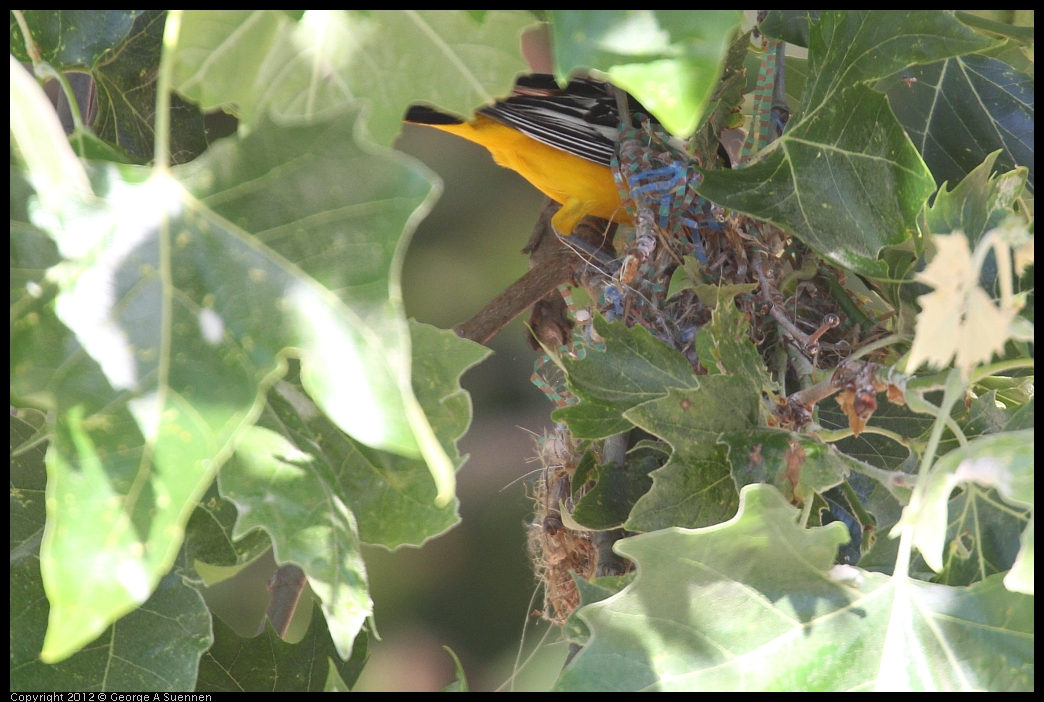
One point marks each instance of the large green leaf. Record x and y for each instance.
(669, 59)
(695, 487)
(277, 183)
(157, 647)
(255, 62)
(634, 367)
(878, 450)
(181, 320)
(959, 110)
(844, 177)
(755, 604)
(982, 536)
(266, 663)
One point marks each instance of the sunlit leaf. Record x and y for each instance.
(254, 62)
(183, 318)
(755, 604)
(669, 59)
(392, 497)
(595, 590)
(1001, 461)
(344, 214)
(157, 647)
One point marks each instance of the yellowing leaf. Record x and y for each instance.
(959, 318)
(984, 331)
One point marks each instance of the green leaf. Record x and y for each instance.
(958, 317)
(754, 604)
(982, 537)
(695, 487)
(634, 367)
(791, 26)
(156, 647)
(887, 509)
(797, 465)
(591, 591)
(1020, 577)
(981, 416)
(1004, 29)
(461, 682)
(1023, 418)
(979, 202)
(392, 497)
(876, 449)
(724, 345)
(670, 60)
(1002, 461)
(189, 329)
(844, 177)
(725, 100)
(351, 238)
(72, 38)
(329, 60)
(607, 504)
(1013, 54)
(266, 663)
(275, 487)
(119, 50)
(38, 142)
(960, 110)
(209, 538)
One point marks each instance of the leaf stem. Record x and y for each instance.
(806, 511)
(999, 367)
(955, 387)
(171, 33)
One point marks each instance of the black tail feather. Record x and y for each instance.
(419, 114)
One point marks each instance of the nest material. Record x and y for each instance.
(556, 550)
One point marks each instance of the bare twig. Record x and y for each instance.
(286, 586)
(552, 262)
(778, 314)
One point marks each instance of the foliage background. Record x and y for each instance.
(465, 611)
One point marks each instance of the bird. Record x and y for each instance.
(561, 140)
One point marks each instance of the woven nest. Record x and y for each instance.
(556, 550)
